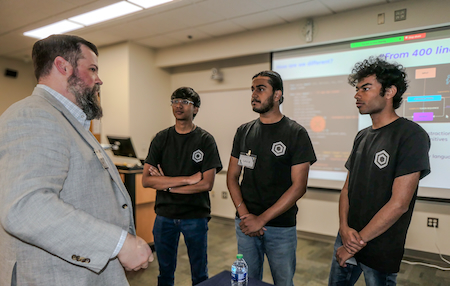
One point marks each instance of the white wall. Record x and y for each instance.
(135, 95)
(150, 92)
(15, 89)
(114, 68)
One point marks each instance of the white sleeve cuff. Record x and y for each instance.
(123, 236)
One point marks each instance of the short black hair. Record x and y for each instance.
(274, 80)
(387, 74)
(187, 93)
(66, 46)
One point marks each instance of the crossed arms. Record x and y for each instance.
(154, 177)
(251, 224)
(403, 191)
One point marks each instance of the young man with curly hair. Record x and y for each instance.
(384, 168)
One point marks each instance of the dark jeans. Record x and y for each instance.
(167, 234)
(347, 276)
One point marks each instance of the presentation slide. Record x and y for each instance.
(318, 96)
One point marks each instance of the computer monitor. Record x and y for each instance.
(122, 146)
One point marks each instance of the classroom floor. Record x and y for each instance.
(313, 262)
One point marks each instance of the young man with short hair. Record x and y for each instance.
(275, 153)
(181, 165)
(384, 168)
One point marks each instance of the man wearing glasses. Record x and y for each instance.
(181, 165)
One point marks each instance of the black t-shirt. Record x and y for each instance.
(183, 155)
(277, 147)
(378, 157)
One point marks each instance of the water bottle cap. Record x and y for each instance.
(239, 256)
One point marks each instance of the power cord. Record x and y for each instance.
(431, 265)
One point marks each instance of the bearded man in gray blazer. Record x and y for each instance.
(66, 217)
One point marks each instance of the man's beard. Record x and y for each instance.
(266, 106)
(87, 98)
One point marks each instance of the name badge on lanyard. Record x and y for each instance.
(247, 160)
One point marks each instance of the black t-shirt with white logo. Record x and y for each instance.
(378, 157)
(277, 147)
(183, 155)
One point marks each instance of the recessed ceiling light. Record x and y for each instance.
(55, 28)
(148, 3)
(106, 13)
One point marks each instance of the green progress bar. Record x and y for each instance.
(377, 42)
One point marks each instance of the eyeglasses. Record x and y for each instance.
(183, 102)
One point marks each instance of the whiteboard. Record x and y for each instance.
(221, 113)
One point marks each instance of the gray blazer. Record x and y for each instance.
(62, 209)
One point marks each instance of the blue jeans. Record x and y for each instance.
(343, 276)
(166, 233)
(279, 244)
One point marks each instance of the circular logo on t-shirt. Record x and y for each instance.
(381, 159)
(278, 148)
(197, 156)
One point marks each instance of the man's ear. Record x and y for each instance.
(195, 109)
(277, 95)
(390, 92)
(63, 66)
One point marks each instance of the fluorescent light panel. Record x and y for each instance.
(106, 13)
(149, 3)
(100, 15)
(55, 28)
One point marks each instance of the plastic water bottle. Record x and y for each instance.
(239, 272)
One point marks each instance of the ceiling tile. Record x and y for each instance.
(175, 4)
(130, 31)
(159, 42)
(160, 24)
(195, 15)
(221, 28)
(259, 20)
(345, 5)
(182, 36)
(99, 38)
(298, 11)
(271, 4)
(231, 8)
(14, 14)
(164, 25)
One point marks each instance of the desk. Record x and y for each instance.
(224, 279)
(143, 200)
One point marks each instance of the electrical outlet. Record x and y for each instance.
(433, 222)
(224, 195)
(400, 15)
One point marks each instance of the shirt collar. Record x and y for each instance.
(77, 112)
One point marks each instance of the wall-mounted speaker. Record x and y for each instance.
(11, 73)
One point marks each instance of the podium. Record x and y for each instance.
(143, 200)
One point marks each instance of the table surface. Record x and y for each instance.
(224, 279)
